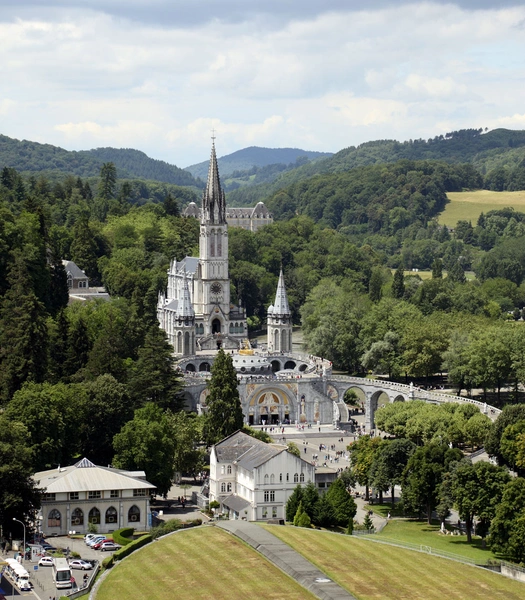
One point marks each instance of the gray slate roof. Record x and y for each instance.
(84, 476)
(235, 502)
(246, 451)
(75, 271)
(189, 263)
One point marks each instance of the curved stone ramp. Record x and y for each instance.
(288, 560)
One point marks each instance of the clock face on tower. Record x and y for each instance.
(216, 288)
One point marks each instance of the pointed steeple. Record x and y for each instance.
(213, 199)
(280, 306)
(185, 307)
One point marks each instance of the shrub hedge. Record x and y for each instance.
(107, 563)
(123, 536)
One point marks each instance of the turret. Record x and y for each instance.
(279, 321)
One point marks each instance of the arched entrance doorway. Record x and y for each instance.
(269, 407)
(216, 326)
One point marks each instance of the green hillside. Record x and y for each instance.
(375, 199)
(497, 149)
(32, 157)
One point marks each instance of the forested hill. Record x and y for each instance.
(382, 198)
(32, 157)
(140, 165)
(254, 156)
(500, 148)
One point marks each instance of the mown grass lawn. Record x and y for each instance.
(467, 206)
(420, 532)
(380, 572)
(199, 564)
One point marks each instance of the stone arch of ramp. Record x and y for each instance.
(189, 401)
(270, 402)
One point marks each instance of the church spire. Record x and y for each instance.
(280, 306)
(213, 199)
(185, 308)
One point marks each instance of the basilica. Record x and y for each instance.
(196, 312)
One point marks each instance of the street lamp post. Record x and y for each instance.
(23, 525)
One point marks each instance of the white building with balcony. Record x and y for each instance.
(253, 480)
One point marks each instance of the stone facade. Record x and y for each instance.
(196, 312)
(253, 480)
(248, 218)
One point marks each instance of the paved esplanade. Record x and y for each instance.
(287, 559)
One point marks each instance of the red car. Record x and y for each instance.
(99, 544)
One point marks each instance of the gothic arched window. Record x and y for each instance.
(111, 515)
(134, 514)
(94, 516)
(77, 517)
(54, 518)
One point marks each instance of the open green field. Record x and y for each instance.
(376, 571)
(420, 532)
(428, 274)
(467, 206)
(199, 564)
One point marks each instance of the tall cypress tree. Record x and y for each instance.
(58, 290)
(224, 415)
(58, 348)
(84, 249)
(23, 332)
(78, 347)
(398, 284)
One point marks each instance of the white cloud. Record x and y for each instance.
(315, 78)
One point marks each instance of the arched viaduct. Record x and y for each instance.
(313, 398)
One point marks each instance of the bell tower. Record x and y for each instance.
(212, 296)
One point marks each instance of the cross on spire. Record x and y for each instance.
(213, 135)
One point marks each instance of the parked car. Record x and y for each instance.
(47, 547)
(89, 536)
(98, 544)
(46, 561)
(106, 546)
(80, 564)
(96, 540)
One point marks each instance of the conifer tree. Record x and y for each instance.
(301, 518)
(23, 332)
(398, 284)
(58, 348)
(293, 502)
(437, 269)
(78, 347)
(350, 527)
(457, 274)
(367, 523)
(343, 504)
(224, 415)
(84, 248)
(310, 499)
(58, 290)
(153, 377)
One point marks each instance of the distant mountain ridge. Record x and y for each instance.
(255, 156)
(33, 157)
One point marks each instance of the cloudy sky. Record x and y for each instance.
(159, 75)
